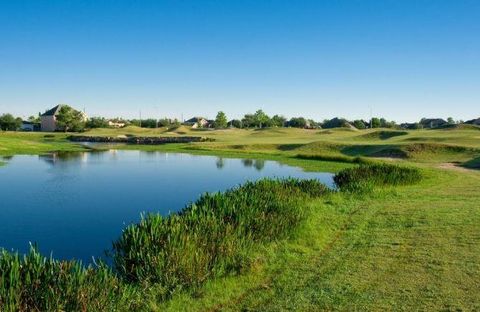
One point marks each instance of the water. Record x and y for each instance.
(75, 205)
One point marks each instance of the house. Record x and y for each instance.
(473, 122)
(198, 122)
(116, 124)
(430, 123)
(49, 119)
(30, 126)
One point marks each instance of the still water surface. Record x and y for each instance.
(75, 205)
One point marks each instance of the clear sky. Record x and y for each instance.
(401, 59)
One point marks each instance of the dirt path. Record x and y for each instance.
(454, 166)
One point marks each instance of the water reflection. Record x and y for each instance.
(77, 203)
(61, 157)
(220, 163)
(258, 164)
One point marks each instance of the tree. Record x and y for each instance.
(149, 123)
(416, 126)
(34, 119)
(359, 124)
(335, 123)
(450, 121)
(313, 124)
(221, 120)
(236, 123)
(297, 122)
(278, 121)
(97, 122)
(8, 122)
(375, 122)
(248, 121)
(261, 119)
(69, 119)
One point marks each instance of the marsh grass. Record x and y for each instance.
(368, 176)
(33, 282)
(215, 236)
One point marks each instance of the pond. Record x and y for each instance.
(75, 205)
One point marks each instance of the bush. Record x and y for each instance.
(367, 176)
(214, 236)
(36, 283)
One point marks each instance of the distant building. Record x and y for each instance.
(430, 123)
(49, 119)
(411, 125)
(198, 122)
(30, 126)
(473, 122)
(116, 124)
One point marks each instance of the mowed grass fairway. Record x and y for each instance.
(414, 247)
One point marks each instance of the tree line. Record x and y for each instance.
(69, 119)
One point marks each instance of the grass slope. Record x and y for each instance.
(409, 248)
(406, 248)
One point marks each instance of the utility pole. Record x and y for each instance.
(371, 118)
(140, 113)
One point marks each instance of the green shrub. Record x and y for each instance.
(367, 176)
(35, 283)
(214, 236)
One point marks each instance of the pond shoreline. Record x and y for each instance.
(138, 140)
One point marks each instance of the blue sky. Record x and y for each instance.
(401, 59)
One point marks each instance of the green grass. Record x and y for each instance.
(14, 143)
(401, 247)
(413, 247)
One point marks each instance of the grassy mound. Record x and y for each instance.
(423, 148)
(368, 176)
(377, 150)
(213, 237)
(337, 130)
(383, 134)
(336, 158)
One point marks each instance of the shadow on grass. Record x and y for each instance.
(472, 164)
(383, 150)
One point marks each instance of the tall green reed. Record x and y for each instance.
(368, 176)
(214, 236)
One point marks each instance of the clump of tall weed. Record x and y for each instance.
(215, 236)
(33, 282)
(368, 176)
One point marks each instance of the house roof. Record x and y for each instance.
(426, 121)
(195, 119)
(53, 112)
(473, 122)
(26, 122)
